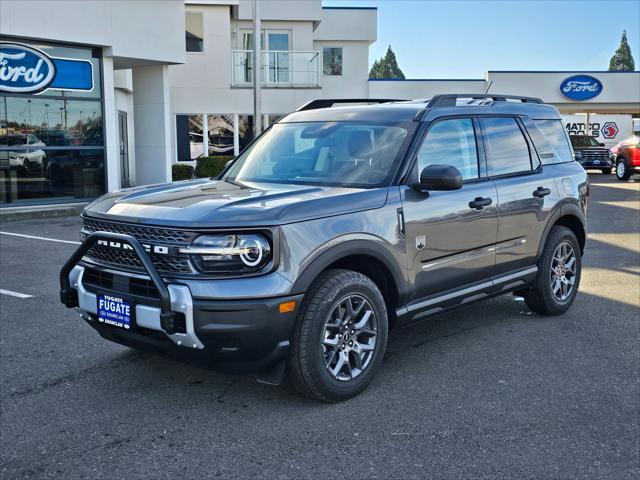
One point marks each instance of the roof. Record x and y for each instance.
(397, 112)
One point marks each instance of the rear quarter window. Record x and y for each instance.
(557, 139)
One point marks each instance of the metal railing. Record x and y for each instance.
(278, 68)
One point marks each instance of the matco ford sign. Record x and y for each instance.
(24, 69)
(581, 87)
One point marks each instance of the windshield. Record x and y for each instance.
(583, 141)
(346, 154)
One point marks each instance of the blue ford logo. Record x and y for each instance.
(24, 69)
(581, 87)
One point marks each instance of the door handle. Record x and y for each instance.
(541, 192)
(479, 203)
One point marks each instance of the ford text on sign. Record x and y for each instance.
(24, 69)
(581, 87)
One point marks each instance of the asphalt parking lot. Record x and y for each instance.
(490, 391)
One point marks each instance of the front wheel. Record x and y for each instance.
(622, 170)
(340, 337)
(558, 278)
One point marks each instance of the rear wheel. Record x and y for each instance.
(622, 170)
(340, 337)
(559, 269)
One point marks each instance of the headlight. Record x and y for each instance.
(230, 253)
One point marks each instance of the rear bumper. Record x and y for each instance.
(233, 336)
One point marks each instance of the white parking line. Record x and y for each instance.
(14, 294)
(40, 238)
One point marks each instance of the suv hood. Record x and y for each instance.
(217, 203)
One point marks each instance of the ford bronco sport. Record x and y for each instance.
(334, 226)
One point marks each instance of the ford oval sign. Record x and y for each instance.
(581, 87)
(24, 69)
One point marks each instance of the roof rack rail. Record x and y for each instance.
(450, 100)
(330, 102)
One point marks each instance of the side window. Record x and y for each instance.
(451, 142)
(557, 138)
(506, 147)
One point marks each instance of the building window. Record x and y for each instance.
(194, 32)
(332, 61)
(52, 143)
(217, 139)
(220, 131)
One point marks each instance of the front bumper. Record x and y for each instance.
(591, 164)
(233, 336)
(229, 335)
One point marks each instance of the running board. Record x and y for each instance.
(453, 299)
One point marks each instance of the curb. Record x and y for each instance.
(23, 213)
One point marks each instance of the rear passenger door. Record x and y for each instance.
(525, 193)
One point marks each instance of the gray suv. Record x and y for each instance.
(336, 225)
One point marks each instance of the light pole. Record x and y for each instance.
(257, 114)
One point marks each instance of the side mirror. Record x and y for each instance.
(439, 177)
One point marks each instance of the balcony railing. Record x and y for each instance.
(278, 68)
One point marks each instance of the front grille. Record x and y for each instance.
(130, 259)
(127, 259)
(595, 154)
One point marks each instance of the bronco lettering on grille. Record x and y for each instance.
(157, 249)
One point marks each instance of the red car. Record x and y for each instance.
(627, 157)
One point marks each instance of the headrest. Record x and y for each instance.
(360, 144)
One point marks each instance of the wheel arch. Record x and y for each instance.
(363, 256)
(570, 216)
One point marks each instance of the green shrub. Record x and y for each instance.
(181, 172)
(211, 166)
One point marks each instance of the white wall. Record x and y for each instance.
(309, 10)
(353, 83)
(132, 29)
(153, 124)
(359, 24)
(414, 89)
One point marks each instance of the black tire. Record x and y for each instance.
(607, 171)
(623, 172)
(541, 298)
(306, 367)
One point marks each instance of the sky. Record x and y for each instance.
(464, 39)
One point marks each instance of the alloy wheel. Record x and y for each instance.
(620, 169)
(349, 338)
(563, 271)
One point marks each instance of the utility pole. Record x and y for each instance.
(257, 47)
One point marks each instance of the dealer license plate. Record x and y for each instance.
(116, 311)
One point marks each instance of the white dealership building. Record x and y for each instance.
(130, 87)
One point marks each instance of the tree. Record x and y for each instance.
(622, 60)
(386, 67)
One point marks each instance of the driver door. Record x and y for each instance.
(450, 235)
